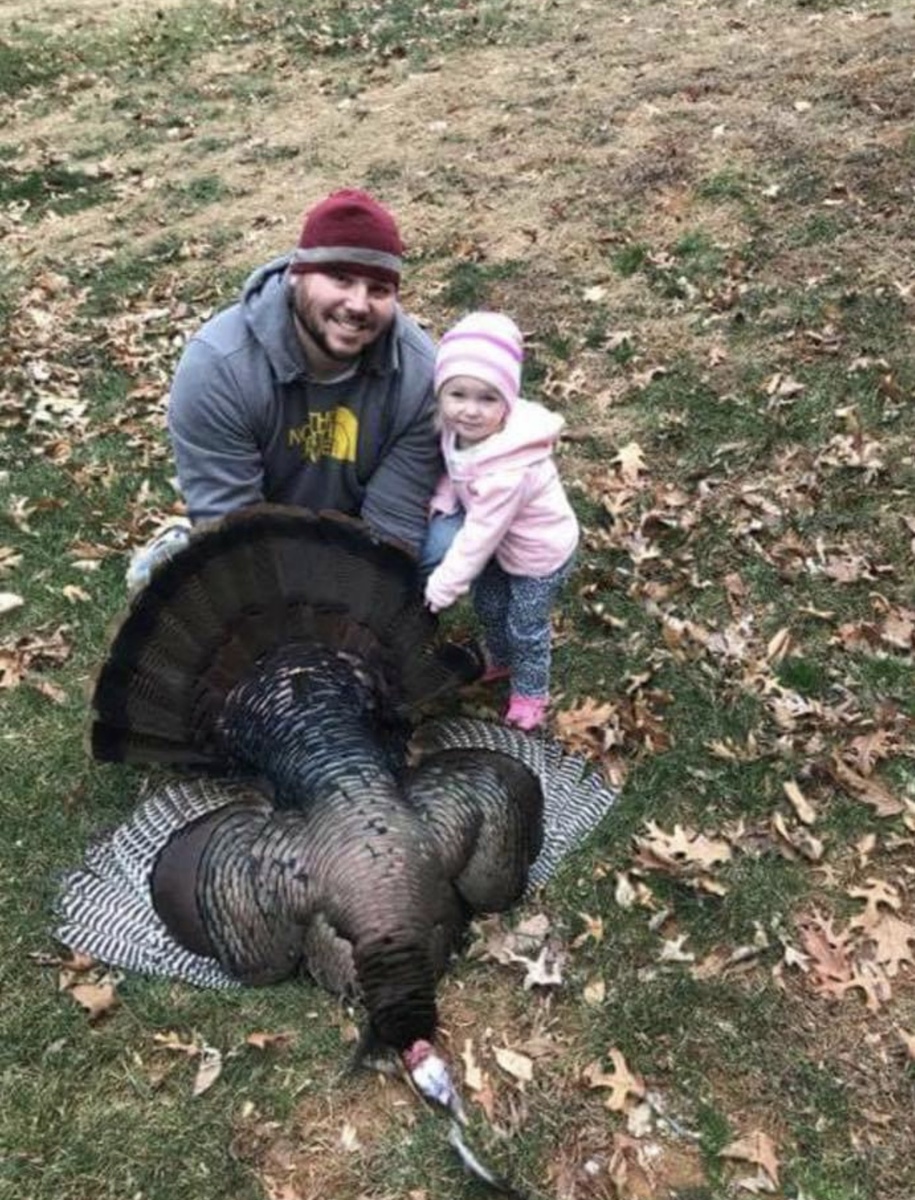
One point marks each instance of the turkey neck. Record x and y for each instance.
(304, 720)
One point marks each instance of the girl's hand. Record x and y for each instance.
(430, 601)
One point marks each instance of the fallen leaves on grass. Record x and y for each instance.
(684, 854)
(21, 656)
(209, 1065)
(89, 984)
(527, 945)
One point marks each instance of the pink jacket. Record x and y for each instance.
(515, 505)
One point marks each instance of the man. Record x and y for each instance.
(314, 389)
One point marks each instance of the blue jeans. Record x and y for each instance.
(443, 528)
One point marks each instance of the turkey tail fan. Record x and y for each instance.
(256, 580)
(105, 908)
(575, 795)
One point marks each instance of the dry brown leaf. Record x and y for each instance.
(349, 1138)
(9, 602)
(621, 1081)
(50, 690)
(870, 791)
(76, 595)
(594, 930)
(628, 1169)
(543, 971)
(624, 893)
(867, 749)
(208, 1070)
(783, 386)
(175, 1042)
(892, 939)
(898, 630)
(261, 1041)
(779, 645)
(673, 950)
(96, 998)
(827, 950)
(590, 717)
(594, 992)
(682, 850)
(803, 808)
(872, 980)
(9, 559)
(908, 1040)
(756, 1148)
(865, 847)
(631, 462)
(874, 893)
(801, 840)
(535, 927)
(473, 1073)
(519, 1066)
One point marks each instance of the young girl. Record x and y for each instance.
(514, 532)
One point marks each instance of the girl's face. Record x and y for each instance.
(471, 409)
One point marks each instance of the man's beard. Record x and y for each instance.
(315, 334)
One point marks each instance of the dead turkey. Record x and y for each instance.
(283, 658)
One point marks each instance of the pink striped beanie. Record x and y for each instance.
(486, 346)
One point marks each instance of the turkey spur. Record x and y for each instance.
(294, 650)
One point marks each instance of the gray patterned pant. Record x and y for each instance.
(515, 613)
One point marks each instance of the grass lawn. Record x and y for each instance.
(701, 213)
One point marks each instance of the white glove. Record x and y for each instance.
(145, 559)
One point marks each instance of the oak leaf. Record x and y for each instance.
(870, 791)
(631, 462)
(872, 980)
(682, 850)
(594, 930)
(891, 938)
(874, 893)
(828, 951)
(621, 1081)
(756, 1148)
(543, 971)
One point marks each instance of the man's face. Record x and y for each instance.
(340, 314)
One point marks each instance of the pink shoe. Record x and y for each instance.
(526, 712)
(493, 674)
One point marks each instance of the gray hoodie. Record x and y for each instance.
(247, 424)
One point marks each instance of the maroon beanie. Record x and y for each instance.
(350, 231)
